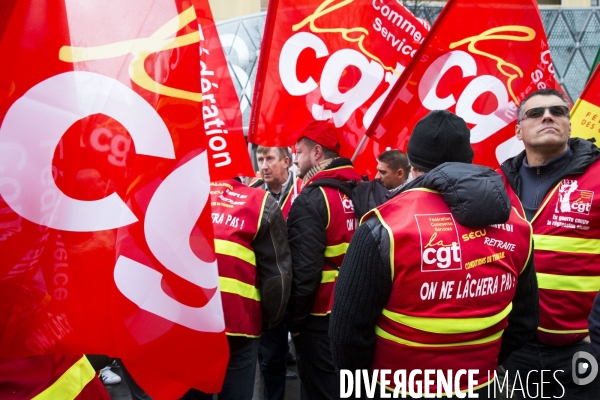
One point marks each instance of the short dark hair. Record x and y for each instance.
(327, 153)
(282, 152)
(540, 92)
(395, 159)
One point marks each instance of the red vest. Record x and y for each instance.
(286, 204)
(567, 255)
(452, 287)
(341, 225)
(257, 181)
(236, 215)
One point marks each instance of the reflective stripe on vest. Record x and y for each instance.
(71, 383)
(326, 205)
(448, 325)
(236, 250)
(380, 332)
(337, 250)
(568, 283)
(566, 244)
(329, 276)
(229, 285)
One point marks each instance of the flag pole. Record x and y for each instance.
(294, 174)
(360, 145)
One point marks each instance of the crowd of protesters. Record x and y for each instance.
(351, 293)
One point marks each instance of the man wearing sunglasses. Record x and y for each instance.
(555, 184)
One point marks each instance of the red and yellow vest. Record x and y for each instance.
(49, 377)
(452, 287)
(236, 214)
(566, 238)
(341, 225)
(286, 204)
(257, 181)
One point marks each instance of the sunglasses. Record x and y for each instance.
(538, 112)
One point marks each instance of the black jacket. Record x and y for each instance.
(477, 198)
(306, 231)
(273, 264)
(584, 154)
(594, 325)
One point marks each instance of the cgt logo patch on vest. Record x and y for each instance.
(572, 200)
(440, 247)
(346, 203)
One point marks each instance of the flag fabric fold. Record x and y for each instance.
(105, 230)
(227, 149)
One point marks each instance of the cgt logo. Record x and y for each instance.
(347, 204)
(572, 200)
(440, 246)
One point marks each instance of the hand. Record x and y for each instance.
(585, 339)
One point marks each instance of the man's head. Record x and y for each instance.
(273, 164)
(315, 143)
(543, 123)
(392, 168)
(439, 137)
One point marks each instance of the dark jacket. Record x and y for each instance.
(273, 264)
(594, 325)
(584, 154)
(477, 198)
(306, 230)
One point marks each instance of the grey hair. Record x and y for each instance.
(540, 92)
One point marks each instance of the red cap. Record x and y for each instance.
(322, 133)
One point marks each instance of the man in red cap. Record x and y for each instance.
(321, 223)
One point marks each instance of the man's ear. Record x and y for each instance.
(318, 151)
(401, 174)
(287, 162)
(518, 131)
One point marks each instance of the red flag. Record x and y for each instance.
(227, 150)
(328, 59)
(479, 61)
(105, 229)
(585, 116)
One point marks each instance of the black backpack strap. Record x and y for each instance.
(331, 264)
(344, 187)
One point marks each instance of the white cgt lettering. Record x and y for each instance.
(288, 62)
(372, 74)
(442, 256)
(44, 113)
(485, 124)
(167, 227)
(36, 123)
